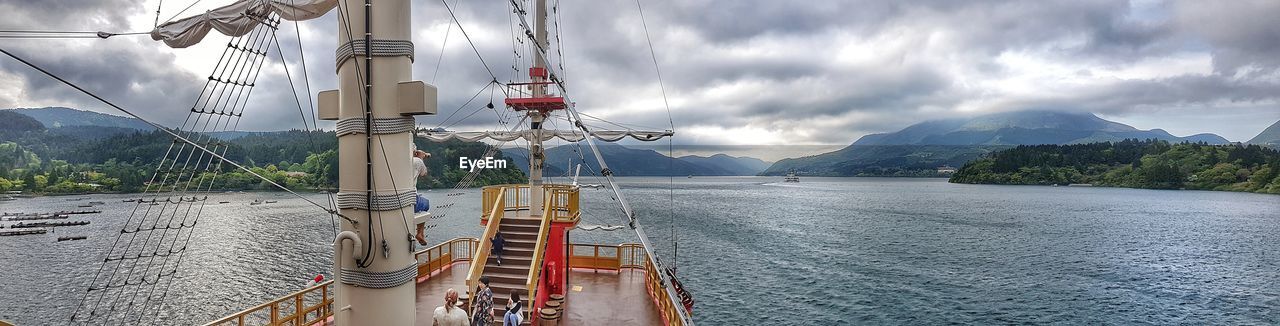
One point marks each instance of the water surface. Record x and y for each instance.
(757, 251)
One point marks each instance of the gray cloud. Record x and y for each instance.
(794, 71)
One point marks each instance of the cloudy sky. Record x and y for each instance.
(736, 71)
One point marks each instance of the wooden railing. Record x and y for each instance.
(510, 197)
(563, 202)
(314, 304)
(482, 252)
(539, 248)
(564, 198)
(627, 256)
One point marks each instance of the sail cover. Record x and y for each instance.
(237, 19)
(566, 135)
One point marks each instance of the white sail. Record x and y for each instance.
(566, 135)
(237, 19)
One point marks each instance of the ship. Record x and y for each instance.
(379, 277)
(791, 177)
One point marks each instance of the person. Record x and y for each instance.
(450, 314)
(496, 249)
(482, 305)
(513, 316)
(421, 204)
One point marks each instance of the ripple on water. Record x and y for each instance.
(826, 251)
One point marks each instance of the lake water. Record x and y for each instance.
(755, 251)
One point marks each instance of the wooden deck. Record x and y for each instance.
(594, 298)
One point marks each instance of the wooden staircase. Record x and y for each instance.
(521, 235)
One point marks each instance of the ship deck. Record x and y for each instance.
(594, 298)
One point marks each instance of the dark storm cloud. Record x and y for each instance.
(802, 71)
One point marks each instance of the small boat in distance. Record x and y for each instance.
(791, 177)
(256, 202)
(72, 238)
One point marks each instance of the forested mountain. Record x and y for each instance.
(626, 161)
(54, 117)
(1154, 164)
(79, 159)
(918, 150)
(1024, 128)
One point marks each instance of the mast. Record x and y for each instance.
(374, 265)
(536, 117)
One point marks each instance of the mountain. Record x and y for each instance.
(1268, 137)
(625, 161)
(919, 149)
(884, 160)
(54, 117)
(729, 165)
(1025, 128)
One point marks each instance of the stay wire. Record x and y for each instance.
(162, 128)
(670, 142)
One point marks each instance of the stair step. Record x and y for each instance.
(507, 268)
(509, 260)
(519, 235)
(507, 277)
(534, 221)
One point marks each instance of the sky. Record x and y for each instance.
(735, 72)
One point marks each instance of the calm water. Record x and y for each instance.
(753, 251)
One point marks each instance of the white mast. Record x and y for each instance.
(536, 117)
(375, 98)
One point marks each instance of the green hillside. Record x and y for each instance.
(1151, 164)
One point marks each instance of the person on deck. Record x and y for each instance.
(512, 316)
(450, 314)
(482, 305)
(498, 243)
(421, 204)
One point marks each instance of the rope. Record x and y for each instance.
(379, 280)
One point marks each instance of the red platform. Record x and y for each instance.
(537, 103)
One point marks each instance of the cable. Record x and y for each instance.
(171, 133)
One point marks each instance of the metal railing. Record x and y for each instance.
(314, 304)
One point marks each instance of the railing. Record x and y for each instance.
(441, 256)
(563, 202)
(512, 197)
(482, 252)
(539, 248)
(627, 256)
(314, 304)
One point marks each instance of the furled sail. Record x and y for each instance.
(566, 135)
(237, 19)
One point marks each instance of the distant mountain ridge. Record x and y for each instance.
(919, 149)
(54, 117)
(1025, 128)
(1268, 137)
(626, 161)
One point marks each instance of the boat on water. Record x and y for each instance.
(791, 177)
(22, 232)
(7, 198)
(378, 277)
(97, 203)
(72, 238)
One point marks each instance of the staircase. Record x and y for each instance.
(521, 235)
